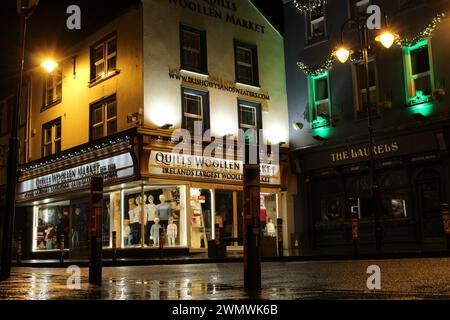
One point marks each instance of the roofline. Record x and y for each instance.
(266, 18)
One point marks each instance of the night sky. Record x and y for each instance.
(47, 29)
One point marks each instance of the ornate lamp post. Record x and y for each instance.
(386, 38)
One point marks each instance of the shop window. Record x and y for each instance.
(103, 118)
(51, 137)
(246, 59)
(361, 99)
(268, 214)
(53, 88)
(316, 26)
(50, 225)
(249, 115)
(164, 213)
(104, 59)
(320, 100)
(195, 108)
(193, 49)
(418, 73)
(362, 206)
(394, 207)
(201, 221)
(331, 210)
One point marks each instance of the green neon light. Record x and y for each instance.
(425, 109)
(320, 76)
(419, 98)
(418, 45)
(320, 121)
(323, 132)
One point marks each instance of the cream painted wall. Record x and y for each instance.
(162, 95)
(76, 94)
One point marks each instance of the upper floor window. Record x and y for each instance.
(193, 49)
(195, 108)
(249, 115)
(358, 9)
(246, 58)
(51, 137)
(361, 98)
(53, 88)
(103, 118)
(418, 71)
(104, 58)
(315, 25)
(319, 91)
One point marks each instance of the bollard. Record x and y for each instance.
(19, 250)
(280, 237)
(446, 222)
(114, 246)
(61, 249)
(355, 228)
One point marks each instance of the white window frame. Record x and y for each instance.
(189, 115)
(106, 57)
(51, 83)
(53, 139)
(103, 105)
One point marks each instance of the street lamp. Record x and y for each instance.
(24, 8)
(49, 65)
(387, 38)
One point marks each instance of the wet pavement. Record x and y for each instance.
(400, 279)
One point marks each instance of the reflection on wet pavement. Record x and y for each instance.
(401, 279)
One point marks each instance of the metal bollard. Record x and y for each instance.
(61, 249)
(280, 237)
(114, 246)
(19, 249)
(446, 222)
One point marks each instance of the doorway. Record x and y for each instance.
(229, 206)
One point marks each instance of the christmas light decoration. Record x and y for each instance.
(314, 72)
(422, 35)
(308, 6)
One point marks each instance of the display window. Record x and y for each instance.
(50, 225)
(201, 221)
(268, 213)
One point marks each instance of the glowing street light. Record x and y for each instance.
(387, 38)
(49, 65)
(342, 54)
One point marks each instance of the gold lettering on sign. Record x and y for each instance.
(356, 153)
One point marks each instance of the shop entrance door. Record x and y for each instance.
(228, 205)
(79, 230)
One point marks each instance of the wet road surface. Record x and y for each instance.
(400, 279)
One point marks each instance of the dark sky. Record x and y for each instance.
(48, 32)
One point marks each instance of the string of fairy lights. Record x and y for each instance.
(330, 60)
(308, 6)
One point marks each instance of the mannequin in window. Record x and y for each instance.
(262, 213)
(135, 221)
(163, 211)
(154, 232)
(150, 215)
(172, 232)
(270, 228)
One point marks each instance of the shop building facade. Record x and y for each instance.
(329, 133)
(112, 108)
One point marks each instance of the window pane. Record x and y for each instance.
(244, 73)
(97, 132)
(423, 84)
(248, 116)
(192, 59)
(57, 146)
(193, 104)
(100, 69)
(98, 53)
(322, 109)
(112, 127)
(111, 110)
(47, 150)
(244, 55)
(321, 89)
(98, 115)
(112, 46)
(192, 49)
(112, 64)
(48, 134)
(420, 61)
(57, 130)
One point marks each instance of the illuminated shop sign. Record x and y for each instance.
(199, 167)
(219, 9)
(363, 152)
(113, 168)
